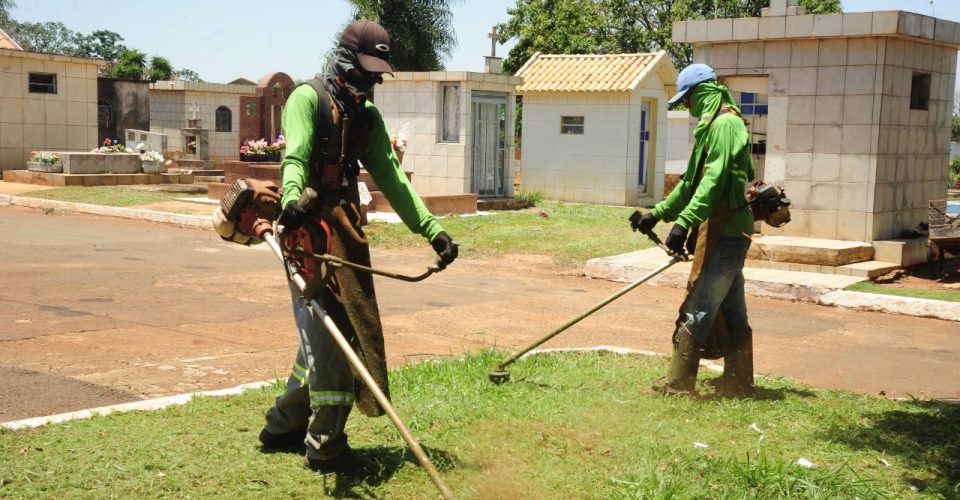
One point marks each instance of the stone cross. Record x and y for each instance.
(493, 41)
(193, 111)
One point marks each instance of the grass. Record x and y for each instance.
(568, 426)
(111, 196)
(571, 233)
(871, 287)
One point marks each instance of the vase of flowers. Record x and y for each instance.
(151, 162)
(44, 162)
(399, 142)
(111, 146)
(262, 151)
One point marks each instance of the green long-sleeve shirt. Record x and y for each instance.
(299, 118)
(728, 164)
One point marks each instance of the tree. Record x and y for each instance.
(421, 31)
(160, 69)
(101, 44)
(49, 37)
(187, 75)
(617, 26)
(5, 7)
(130, 65)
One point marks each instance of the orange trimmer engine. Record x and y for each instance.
(251, 205)
(313, 238)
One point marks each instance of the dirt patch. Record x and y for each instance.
(922, 277)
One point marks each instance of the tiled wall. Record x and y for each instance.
(858, 163)
(172, 109)
(65, 121)
(411, 103)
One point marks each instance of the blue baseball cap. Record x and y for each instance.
(690, 77)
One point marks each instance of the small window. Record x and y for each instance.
(104, 114)
(224, 119)
(920, 91)
(42, 83)
(571, 125)
(251, 107)
(450, 113)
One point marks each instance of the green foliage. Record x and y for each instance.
(48, 37)
(130, 65)
(568, 426)
(101, 44)
(187, 75)
(160, 69)
(534, 196)
(617, 26)
(955, 128)
(421, 31)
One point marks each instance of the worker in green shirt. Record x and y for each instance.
(711, 220)
(330, 127)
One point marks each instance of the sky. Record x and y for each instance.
(223, 40)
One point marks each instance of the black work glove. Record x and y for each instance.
(676, 239)
(293, 216)
(644, 223)
(445, 247)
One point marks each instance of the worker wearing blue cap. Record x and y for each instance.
(711, 221)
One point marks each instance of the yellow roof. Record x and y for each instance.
(590, 73)
(8, 43)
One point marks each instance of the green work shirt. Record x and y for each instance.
(379, 158)
(728, 164)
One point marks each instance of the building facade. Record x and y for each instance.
(594, 126)
(859, 108)
(47, 102)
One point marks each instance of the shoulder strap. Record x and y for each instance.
(323, 128)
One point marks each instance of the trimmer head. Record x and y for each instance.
(499, 376)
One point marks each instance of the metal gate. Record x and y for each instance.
(489, 144)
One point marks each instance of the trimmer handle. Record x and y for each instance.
(635, 222)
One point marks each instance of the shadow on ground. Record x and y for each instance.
(925, 435)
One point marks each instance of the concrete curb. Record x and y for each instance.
(193, 221)
(148, 404)
(617, 269)
(910, 306)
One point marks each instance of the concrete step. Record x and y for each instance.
(866, 269)
(188, 164)
(437, 204)
(812, 251)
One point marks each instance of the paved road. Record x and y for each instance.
(96, 311)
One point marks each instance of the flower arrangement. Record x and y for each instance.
(399, 139)
(111, 146)
(261, 150)
(151, 156)
(44, 158)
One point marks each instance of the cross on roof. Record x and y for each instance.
(493, 41)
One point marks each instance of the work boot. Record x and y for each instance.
(737, 378)
(287, 441)
(682, 374)
(347, 462)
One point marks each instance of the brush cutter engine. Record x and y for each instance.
(769, 203)
(247, 211)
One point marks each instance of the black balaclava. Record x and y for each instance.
(349, 90)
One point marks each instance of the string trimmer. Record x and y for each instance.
(251, 206)
(500, 375)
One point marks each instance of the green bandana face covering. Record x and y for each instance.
(705, 100)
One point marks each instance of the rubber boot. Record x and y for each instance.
(737, 378)
(682, 375)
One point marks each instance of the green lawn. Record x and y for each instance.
(571, 233)
(871, 287)
(111, 196)
(568, 426)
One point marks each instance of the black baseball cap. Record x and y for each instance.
(371, 43)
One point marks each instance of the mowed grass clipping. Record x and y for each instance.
(570, 233)
(110, 196)
(581, 425)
